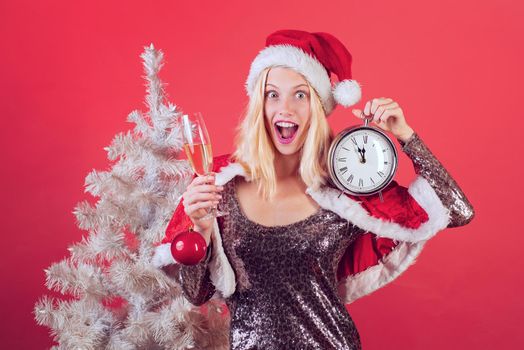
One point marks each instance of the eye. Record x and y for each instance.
(301, 95)
(271, 94)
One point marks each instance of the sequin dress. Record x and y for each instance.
(286, 296)
(286, 289)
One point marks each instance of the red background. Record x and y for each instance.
(70, 74)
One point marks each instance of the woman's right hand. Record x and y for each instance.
(200, 196)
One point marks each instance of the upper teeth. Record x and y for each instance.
(285, 124)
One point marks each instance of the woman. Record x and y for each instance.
(292, 251)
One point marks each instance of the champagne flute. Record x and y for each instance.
(197, 146)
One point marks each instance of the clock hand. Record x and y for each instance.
(360, 154)
(357, 150)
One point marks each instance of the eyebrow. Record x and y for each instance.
(293, 87)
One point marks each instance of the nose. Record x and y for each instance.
(286, 108)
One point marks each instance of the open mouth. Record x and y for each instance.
(286, 131)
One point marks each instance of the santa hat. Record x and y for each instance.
(315, 56)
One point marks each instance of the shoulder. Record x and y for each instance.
(226, 169)
(396, 206)
(221, 161)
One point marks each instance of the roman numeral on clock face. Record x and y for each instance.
(350, 178)
(341, 159)
(380, 173)
(365, 138)
(343, 170)
(354, 141)
(360, 182)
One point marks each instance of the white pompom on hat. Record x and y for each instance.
(314, 55)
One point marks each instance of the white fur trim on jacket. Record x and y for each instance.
(405, 253)
(365, 282)
(352, 211)
(221, 272)
(297, 59)
(392, 265)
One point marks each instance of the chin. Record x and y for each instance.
(289, 149)
(287, 152)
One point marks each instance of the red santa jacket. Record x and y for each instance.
(397, 230)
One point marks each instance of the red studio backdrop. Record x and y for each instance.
(71, 72)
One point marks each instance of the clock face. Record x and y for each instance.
(363, 160)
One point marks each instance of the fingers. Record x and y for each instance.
(201, 195)
(376, 108)
(193, 209)
(374, 104)
(379, 112)
(199, 180)
(388, 113)
(367, 108)
(358, 113)
(203, 184)
(204, 188)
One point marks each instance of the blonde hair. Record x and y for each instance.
(254, 149)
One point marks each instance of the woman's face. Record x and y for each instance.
(286, 109)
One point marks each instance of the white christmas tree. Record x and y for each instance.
(113, 297)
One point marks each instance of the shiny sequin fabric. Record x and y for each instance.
(446, 188)
(286, 296)
(286, 290)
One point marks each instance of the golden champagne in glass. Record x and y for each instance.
(200, 157)
(197, 146)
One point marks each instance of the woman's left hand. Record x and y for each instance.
(388, 116)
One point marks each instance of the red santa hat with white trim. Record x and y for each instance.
(314, 55)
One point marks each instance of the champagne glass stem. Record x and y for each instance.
(213, 212)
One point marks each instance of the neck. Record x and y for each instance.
(286, 166)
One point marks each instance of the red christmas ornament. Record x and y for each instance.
(188, 247)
